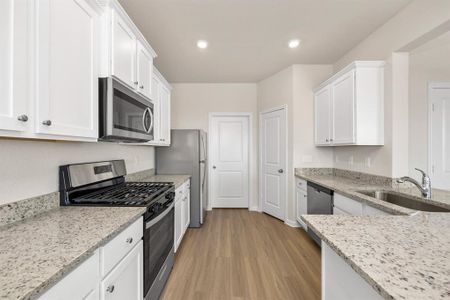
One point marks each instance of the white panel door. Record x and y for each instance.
(144, 71)
(273, 158)
(123, 52)
(440, 135)
(322, 118)
(125, 281)
(343, 107)
(229, 161)
(67, 68)
(14, 113)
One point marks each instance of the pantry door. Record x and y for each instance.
(229, 160)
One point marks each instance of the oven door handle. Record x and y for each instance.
(158, 218)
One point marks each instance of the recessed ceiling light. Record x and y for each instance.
(294, 43)
(202, 44)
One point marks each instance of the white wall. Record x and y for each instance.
(29, 168)
(417, 22)
(192, 103)
(428, 63)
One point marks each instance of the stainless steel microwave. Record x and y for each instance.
(124, 115)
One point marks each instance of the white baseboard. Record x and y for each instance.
(291, 223)
(254, 208)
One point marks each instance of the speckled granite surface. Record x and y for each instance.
(37, 252)
(17, 211)
(402, 257)
(347, 183)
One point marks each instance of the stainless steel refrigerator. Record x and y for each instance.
(187, 154)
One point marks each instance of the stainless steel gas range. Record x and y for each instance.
(103, 184)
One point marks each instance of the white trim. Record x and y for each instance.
(249, 115)
(292, 223)
(254, 208)
(285, 108)
(432, 85)
(161, 78)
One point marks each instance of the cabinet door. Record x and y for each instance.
(144, 71)
(126, 279)
(344, 109)
(67, 68)
(322, 111)
(123, 52)
(81, 283)
(164, 105)
(187, 210)
(178, 223)
(14, 113)
(156, 83)
(301, 198)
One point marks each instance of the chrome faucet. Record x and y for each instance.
(425, 187)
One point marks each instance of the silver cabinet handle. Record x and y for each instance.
(110, 288)
(22, 118)
(129, 240)
(280, 171)
(47, 123)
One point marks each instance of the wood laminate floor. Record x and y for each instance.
(239, 254)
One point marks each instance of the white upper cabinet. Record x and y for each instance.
(14, 113)
(164, 106)
(161, 91)
(67, 47)
(126, 53)
(322, 109)
(123, 51)
(349, 107)
(144, 71)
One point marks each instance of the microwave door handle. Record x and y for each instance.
(151, 120)
(143, 119)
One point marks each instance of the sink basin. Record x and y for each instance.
(404, 201)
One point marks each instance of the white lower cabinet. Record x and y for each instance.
(125, 281)
(81, 283)
(182, 213)
(301, 200)
(115, 271)
(340, 281)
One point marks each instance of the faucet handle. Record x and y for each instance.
(421, 171)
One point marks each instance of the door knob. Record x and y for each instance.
(214, 167)
(280, 171)
(22, 118)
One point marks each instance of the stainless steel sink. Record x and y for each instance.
(404, 201)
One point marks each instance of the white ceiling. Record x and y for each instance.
(248, 38)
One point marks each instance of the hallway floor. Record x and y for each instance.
(239, 254)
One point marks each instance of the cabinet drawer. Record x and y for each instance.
(348, 205)
(81, 283)
(301, 184)
(116, 249)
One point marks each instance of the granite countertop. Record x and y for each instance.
(401, 257)
(348, 187)
(37, 252)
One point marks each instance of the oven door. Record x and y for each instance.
(158, 244)
(125, 116)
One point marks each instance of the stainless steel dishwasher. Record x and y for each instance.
(320, 202)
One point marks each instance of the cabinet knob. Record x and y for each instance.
(136, 83)
(47, 123)
(110, 288)
(327, 140)
(214, 167)
(331, 140)
(22, 118)
(141, 87)
(280, 171)
(129, 240)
